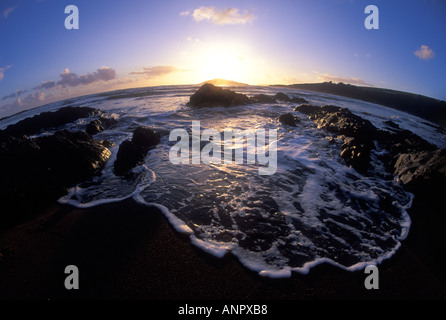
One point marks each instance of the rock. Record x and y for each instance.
(211, 96)
(288, 119)
(132, 152)
(423, 172)
(359, 132)
(262, 98)
(128, 157)
(101, 124)
(343, 122)
(356, 154)
(308, 109)
(145, 138)
(419, 165)
(74, 156)
(48, 120)
(35, 172)
(280, 96)
(391, 124)
(298, 100)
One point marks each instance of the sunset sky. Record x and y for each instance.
(134, 43)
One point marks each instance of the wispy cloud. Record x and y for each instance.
(2, 71)
(46, 84)
(15, 94)
(69, 84)
(424, 53)
(351, 80)
(157, 71)
(220, 16)
(70, 79)
(7, 11)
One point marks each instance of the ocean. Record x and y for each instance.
(313, 209)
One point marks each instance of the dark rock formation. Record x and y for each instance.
(423, 172)
(262, 98)
(359, 132)
(360, 135)
(356, 153)
(288, 119)
(280, 96)
(298, 100)
(425, 107)
(48, 120)
(98, 125)
(211, 96)
(132, 152)
(420, 166)
(312, 110)
(35, 172)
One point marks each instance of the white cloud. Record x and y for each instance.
(7, 11)
(424, 53)
(34, 99)
(69, 79)
(220, 16)
(2, 71)
(157, 71)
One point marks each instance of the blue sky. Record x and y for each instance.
(136, 43)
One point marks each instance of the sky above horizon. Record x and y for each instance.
(133, 43)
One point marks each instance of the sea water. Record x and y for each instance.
(313, 209)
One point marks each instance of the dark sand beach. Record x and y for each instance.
(129, 251)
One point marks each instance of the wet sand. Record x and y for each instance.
(129, 251)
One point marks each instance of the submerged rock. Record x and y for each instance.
(145, 138)
(420, 166)
(288, 119)
(50, 119)
(298, 100)
(211, 96)
(311, 110)
(132, 152)
(359, 132)
(262, 98)
(280, 96)
(101, 124)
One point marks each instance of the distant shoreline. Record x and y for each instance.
(430, 109)
(424, 107)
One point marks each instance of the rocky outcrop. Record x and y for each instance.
(278, 97)
(101, 124)
(262, 98)
(423, 172)
(37, 171)
(211, 96)
(48, 120)
(360, 136)
(132, 152)
(358, 133)
(288, 119)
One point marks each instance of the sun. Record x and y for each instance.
(228, 60)
(223, 63)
